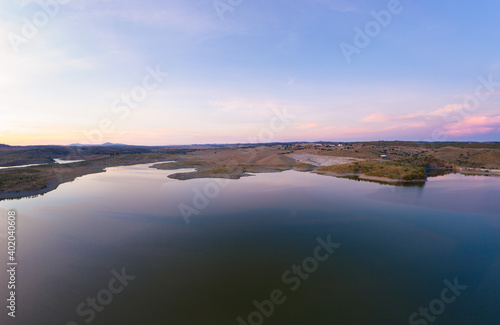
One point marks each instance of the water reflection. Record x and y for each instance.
(57, 161)
(398, 244)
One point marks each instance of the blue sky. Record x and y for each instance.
(432, 72)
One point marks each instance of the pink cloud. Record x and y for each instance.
(474, 125)
(379, 117)
(468, 131)
(308, 126)
(375, 117)
(448, 109)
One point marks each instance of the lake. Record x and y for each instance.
(280, 248)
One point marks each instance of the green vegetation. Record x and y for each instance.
(219, 170)
(407, 169)
(304, 166)
(23, 179)
(431, 145)
(185, 163)
(470, 157)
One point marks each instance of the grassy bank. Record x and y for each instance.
(405, 169)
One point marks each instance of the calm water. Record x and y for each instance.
(57, 161)
(397, 247)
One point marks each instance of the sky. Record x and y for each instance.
(172, 72)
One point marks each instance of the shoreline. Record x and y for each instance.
(231, 163)
(214, 171)
(377, 179)
(479, 172)
(65, 173)
(234, 173)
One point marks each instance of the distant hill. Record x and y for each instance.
(107, 144)
(113, 144)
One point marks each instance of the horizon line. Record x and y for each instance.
(238, 143)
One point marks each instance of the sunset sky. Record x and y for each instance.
(162, 72)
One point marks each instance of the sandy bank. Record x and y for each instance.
(479, 171)
(208, 170)
(368, 178)
(319, 161)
